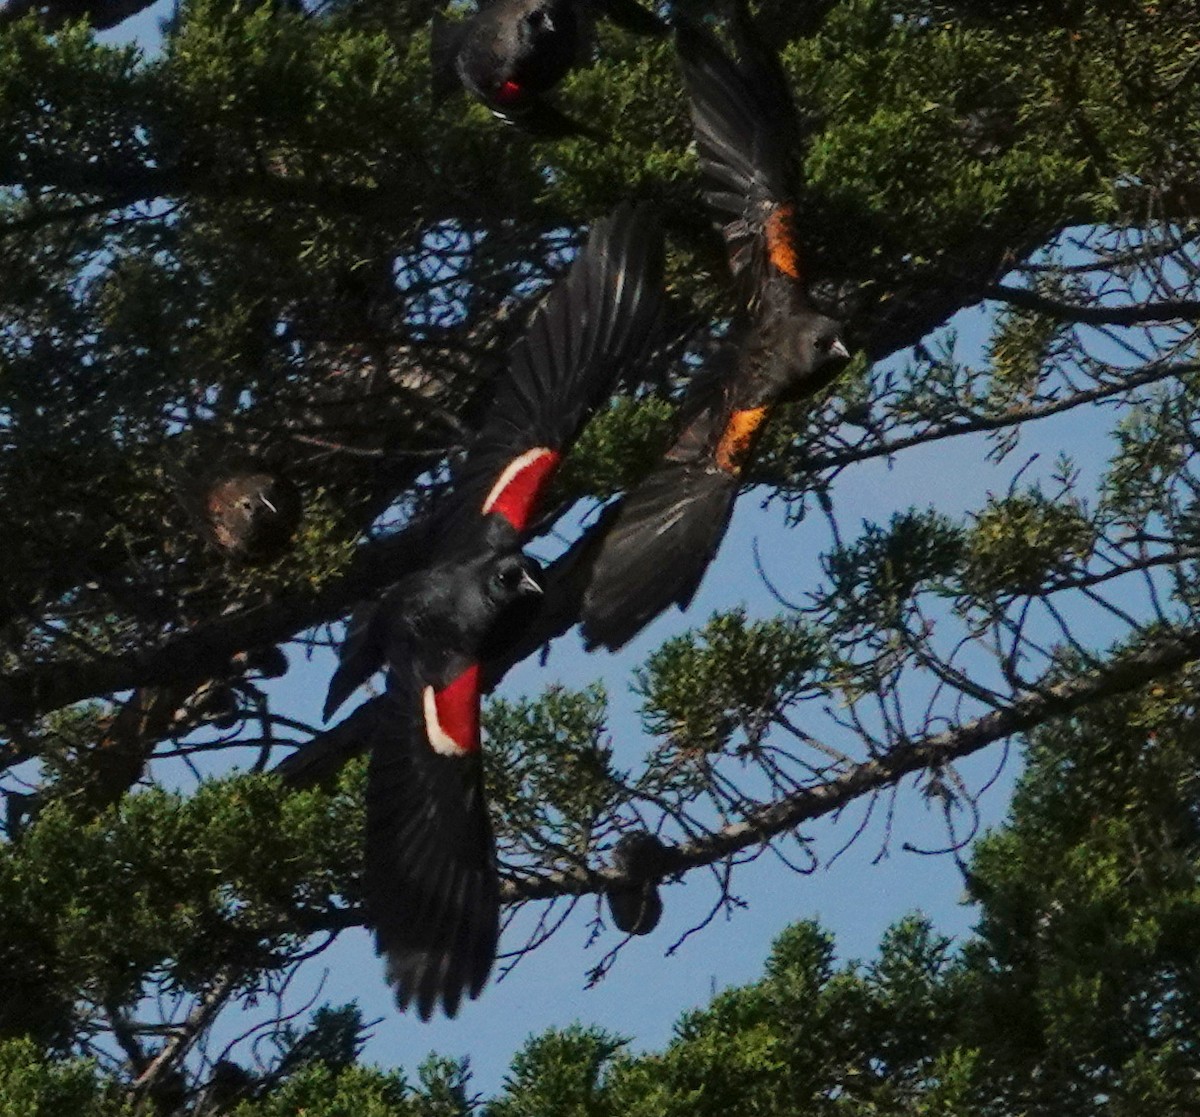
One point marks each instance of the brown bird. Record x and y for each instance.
(245, 509)
(780, 347)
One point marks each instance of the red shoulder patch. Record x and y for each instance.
(519, 487)
(507, 93)
(452, 715)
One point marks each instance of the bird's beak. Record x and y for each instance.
(268, 504)
(838, 349)
(528, 584)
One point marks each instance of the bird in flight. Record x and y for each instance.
(432, 892)
(658, 545)
(512, 52)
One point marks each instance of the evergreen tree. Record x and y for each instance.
(264, 257)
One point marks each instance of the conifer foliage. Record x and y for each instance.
(266, 242)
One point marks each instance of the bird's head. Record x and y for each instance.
(537, 23)
(820, 345)
(805, 350)
(513, 577)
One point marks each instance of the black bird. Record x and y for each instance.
(431, 886)
(780, 346)
(511, 52)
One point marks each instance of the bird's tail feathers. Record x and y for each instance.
(359, 657)
(432, 891)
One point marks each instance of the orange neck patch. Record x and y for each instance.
(782, 248)
(519, 487)
(452, 715)
(739, 436)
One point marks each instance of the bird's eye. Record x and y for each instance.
(830, 345)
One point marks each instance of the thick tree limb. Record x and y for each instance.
(206, 651)
(187, 1033)
(1130, 315)
(1125, 673)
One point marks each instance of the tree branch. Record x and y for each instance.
(1129, 315)
(206, 651)
(174, 1050)
(981, 424)
(1125, 673)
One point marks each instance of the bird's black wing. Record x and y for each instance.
(360, 655)
(446, 38)
(657, 550)
(432, 893)
(744, 122)
(591, 328)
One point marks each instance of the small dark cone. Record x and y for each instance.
(637, 909)
(168, 1095)
(227, 1085)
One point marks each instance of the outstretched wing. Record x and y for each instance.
(657, 551)
(745, 126)
(360, 655)
(590, 330)
(432, 893)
